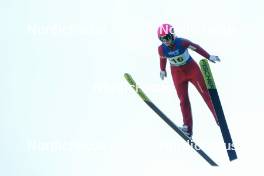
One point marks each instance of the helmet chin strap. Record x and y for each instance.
(171, 45)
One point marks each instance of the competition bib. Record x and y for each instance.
(180, 59)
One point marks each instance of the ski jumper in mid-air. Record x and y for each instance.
(183, 70)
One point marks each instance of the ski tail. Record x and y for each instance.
(143, 96)
(210, 84)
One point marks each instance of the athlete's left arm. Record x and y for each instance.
(188, 44)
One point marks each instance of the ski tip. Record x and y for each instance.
(129, 78)
(126, 75)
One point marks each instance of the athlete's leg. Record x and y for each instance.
(181, 86)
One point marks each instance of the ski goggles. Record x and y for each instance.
(166, 38)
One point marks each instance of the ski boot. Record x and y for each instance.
(186, 131)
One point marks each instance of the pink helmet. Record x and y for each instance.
(164, 30)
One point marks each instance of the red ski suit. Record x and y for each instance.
(184, 70)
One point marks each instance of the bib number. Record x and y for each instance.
(177, 60)
(181, 59)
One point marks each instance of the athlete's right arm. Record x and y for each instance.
(163, 60)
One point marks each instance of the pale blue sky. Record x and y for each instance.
(65, 108)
